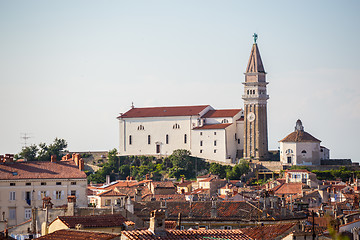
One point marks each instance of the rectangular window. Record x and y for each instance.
(215, 143)
(28, 184)
(43, 194)
(73, 183)
(58, 195)
(200, 133)
(130, 140)
(12, 196)
(200, 150)
(73, 192)
(185, 138)
(214, 133)
(12, 184)
(214, 150)
(12, 213)
(43, 183)
(27, 213)
(149, 139)
(27, 195)
(58, 183)
(239, 141)
(167, 139)
(235, 136)
(107, 202)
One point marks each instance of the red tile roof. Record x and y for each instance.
(221, 113)
(168, 197)
(111, 192)
(40, 170)
(93, 221)
(228, 210)
(187, 234)
(289, 188)
(163, 111)
(299, 136)
(213, 126)
(268, 232)
(163, 184)
(79, 235)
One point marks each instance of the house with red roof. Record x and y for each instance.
(204, 131)
(24, 185)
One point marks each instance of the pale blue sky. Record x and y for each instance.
(67, 68)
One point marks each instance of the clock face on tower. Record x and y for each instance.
(251, 117)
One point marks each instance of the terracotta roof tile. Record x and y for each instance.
(111, 192)
(221, 113)
(109, 220)
(299, 136)
(40, 170)
(163, 184)
(168, 197)
(289, 188)
(213, 126)
(188, 234)
(268, 232)
(79, 235)
(163, 111)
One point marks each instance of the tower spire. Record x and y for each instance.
(255, 107)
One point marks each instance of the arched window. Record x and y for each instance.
(130, 139)
(185, 138)
(149, 139)
(289, 151)
(176, 126)
(224, 121)
(141, 127)
(167, 139)
(303, 151)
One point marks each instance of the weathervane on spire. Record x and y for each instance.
(255, 36)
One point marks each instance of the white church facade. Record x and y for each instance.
(207, 133)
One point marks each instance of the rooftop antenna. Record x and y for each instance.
(25, 137)
(132, 104)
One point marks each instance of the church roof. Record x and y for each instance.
(214, 126)
(299, 136)
(164, 111)
(255, 64)
(221, 113)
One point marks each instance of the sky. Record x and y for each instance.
(68, 68)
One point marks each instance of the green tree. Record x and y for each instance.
(238, 170)
(55, 148)
(29, 153)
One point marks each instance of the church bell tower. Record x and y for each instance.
(255, 103)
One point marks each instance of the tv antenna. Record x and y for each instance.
(25, 137)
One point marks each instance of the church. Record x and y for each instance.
(221, 135)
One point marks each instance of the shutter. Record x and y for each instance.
(62, 194)
(10, 196)
(69, 192)
(39, 195)
(77, 194)
(23, 195)
(54, 194)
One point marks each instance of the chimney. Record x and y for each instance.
(107, 179)
(73, 156)
(157, 222)
(76, 158)
(127, 178)
(71, 206)
(213, 212)
(53, 158)
(81, 164)
(179, 221)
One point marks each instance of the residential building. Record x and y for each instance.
(23, 185)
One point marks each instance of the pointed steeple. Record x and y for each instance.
(255, 64)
